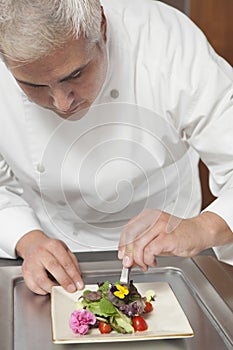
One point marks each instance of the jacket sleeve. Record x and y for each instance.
(211, 134)
(200, 98)
(16, 217)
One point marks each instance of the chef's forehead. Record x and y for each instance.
(28, 32)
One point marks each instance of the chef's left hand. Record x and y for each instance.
(154, 233)
(45, 257)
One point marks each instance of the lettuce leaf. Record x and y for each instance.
(121, 323)
(103, 307)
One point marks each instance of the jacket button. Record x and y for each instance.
(61, 203)
(40, 168)
(114, 93)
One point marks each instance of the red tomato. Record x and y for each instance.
(139, 324)
(104, 328)
(148, 307)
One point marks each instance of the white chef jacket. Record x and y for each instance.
(167, 100)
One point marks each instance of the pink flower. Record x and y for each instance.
(80, 320)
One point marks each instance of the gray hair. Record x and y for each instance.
(31, 29)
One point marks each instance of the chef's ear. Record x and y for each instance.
(103, 25)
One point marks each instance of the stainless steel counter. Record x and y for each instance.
(200, 285)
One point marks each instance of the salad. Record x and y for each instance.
(113, 307)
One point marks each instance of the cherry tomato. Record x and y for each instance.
(148, 307)
(139, 324)
(104, 328)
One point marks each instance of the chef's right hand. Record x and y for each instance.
(42, 255)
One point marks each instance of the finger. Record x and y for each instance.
(133, 252)
(78, 279)
(125, 248)
(128, 259)
(59, 271)
(140, 257)
(161, 245)
(75, 261)
(37, 279)
(63, 265)
(149, 258)
(123, 239)
(135, 227)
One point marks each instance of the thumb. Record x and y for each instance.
(128, 256)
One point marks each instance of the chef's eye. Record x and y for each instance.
(77, 75)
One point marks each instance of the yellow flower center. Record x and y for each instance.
(121, 291)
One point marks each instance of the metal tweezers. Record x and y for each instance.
(124, 279)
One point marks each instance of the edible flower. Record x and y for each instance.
(150, 295)
(80, 320)
(120, 291)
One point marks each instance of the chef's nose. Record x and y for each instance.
(63, 98)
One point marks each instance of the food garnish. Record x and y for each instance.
(105, 328)
(148, 307)
(139, 324)
(80, 320)
(114, 307)
(150, 295)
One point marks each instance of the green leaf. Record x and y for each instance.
(105, 287)
(102, 307)
(125, 325)
(121, 323)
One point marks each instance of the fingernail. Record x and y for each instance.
(120, 255)
(79, 285)
(71, 288)
(126, 261)
(144, 268)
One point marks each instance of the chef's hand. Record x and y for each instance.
(42, 255)
(154, 232)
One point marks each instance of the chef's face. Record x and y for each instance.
(67, 81)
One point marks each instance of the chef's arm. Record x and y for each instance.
(16, 216)
(22, 235)
(200, 101)
(213, 142)
(154, 233)
(222, 207)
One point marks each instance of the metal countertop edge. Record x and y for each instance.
(209, 297)
(219, 274)
(7, 309)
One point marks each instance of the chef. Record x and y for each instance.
(106, 110)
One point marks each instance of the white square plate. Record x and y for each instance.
(167, 320)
